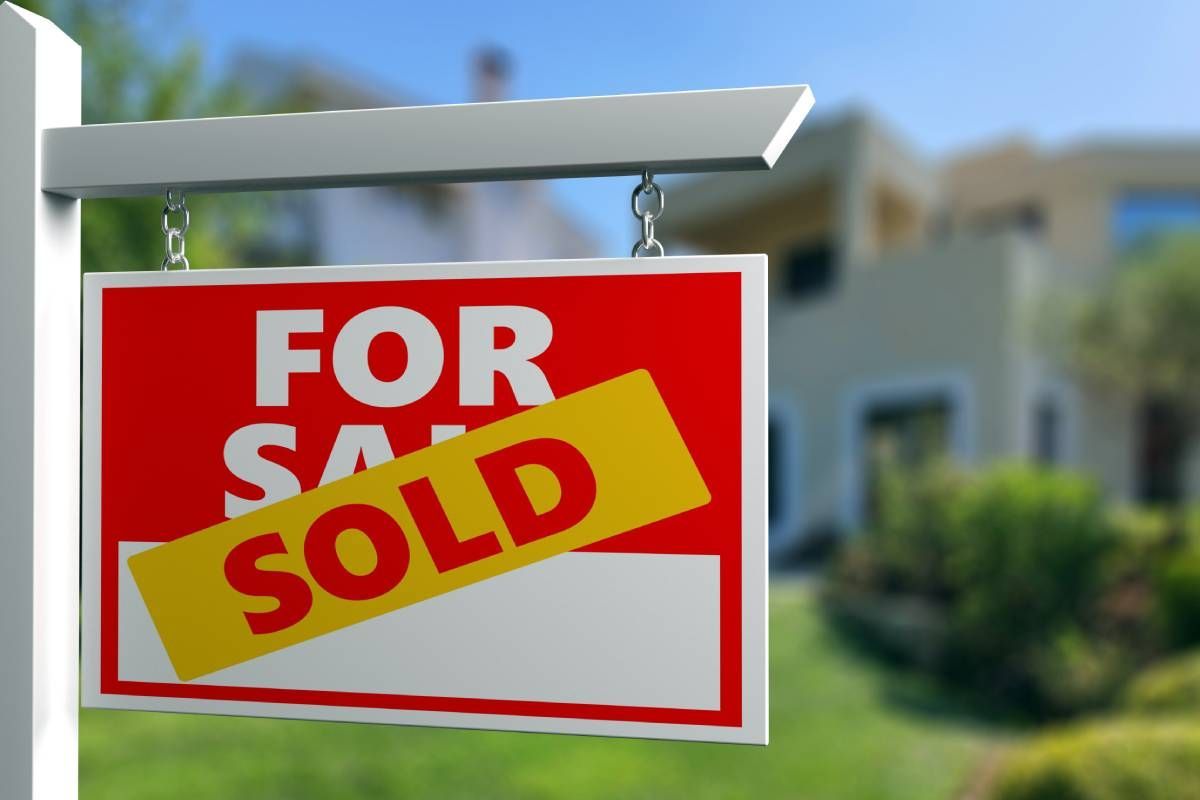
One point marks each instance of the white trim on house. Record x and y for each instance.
(955, 385)
(788, 525)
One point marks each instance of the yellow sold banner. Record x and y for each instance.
(545, 481)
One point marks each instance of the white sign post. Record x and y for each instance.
(39, 429)
(48, 162)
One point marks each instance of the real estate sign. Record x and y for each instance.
(525, 496)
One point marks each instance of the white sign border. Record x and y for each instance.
(753, 270)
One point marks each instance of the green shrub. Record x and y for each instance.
(1154, 577)
(1013, 563)
(1077, 671)
(1177, 592)
(1026, 562)
(1113, 760)
(1167, 688)
(1144, 531)
(913, 538)
(904, 628)
(1128, 610)
(1020, 583)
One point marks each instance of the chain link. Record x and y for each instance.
(648, 244)
(176, 246)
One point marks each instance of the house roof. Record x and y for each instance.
(822, 150)
(303, 83)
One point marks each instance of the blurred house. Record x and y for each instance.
(905, 306)
(406, 223)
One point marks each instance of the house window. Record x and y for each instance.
(775, 472)
(1162, 435)
(1026, 218)
(1047, 432)
(809, 271)
(1030, 219)
(903, 435)
(1140, 216)
(784, 485)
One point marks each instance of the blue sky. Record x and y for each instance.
(945, 75)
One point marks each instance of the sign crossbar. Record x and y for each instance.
(701, 131)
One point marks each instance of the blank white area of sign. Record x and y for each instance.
(632, 629)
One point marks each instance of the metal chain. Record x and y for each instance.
(648, 244)
(175, 233)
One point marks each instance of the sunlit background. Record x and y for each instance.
(985, 371)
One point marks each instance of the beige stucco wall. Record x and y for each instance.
(945, 317)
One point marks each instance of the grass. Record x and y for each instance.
(841, 727)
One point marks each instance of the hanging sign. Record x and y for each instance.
(522, 496)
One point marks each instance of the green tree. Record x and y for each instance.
(1141, 335)
(125, 80)
(1139, 338)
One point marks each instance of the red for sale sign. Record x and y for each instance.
(522, 496)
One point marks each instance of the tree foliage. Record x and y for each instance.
(126, 79)
(1141, 335)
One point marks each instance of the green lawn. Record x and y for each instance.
(841, 727)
